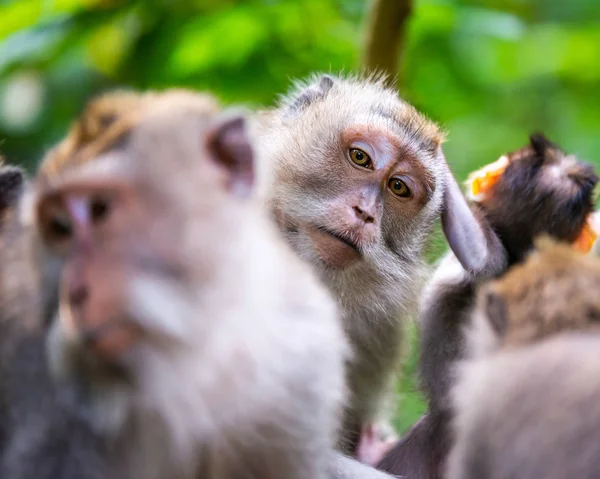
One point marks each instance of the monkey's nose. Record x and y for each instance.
(78, 295)
(363, 214)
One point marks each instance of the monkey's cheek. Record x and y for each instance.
(332, 251)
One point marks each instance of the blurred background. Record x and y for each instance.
(490, 71)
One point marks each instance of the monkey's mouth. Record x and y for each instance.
(111, 339)
(335, 249)
(344, 239)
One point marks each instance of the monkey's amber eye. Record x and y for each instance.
(399, 187)
(360, 158)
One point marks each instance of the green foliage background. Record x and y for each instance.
(490, 71)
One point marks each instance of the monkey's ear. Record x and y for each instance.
(317, 89)
(495, 310)
(472, 240)
(12, 182)
(229, 145)
(540, 143)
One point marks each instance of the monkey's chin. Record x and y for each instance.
(333, 251)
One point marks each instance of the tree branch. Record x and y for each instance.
(385, 34)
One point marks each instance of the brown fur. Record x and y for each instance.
(526, 400)
(239, 372)
(105, 120)
(549, 293)
(542, 191)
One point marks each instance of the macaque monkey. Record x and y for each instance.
(358, 181)
(535, 190)
(526, 397)
(188, 340)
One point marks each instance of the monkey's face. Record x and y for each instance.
(107, 234)
(357, 184)
(139, 250)
(542, 191)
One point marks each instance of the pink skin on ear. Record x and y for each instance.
(230, 147)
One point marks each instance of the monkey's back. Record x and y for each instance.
(530, 412)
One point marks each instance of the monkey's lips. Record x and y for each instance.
(111, 339)
(334, 249)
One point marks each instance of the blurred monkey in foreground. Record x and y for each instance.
(526, 399)
(188, 341)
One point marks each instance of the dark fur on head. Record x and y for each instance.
(542, 191)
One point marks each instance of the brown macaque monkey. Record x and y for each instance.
(535, 190)
(188, 341)
(526, 398)
(358, 181)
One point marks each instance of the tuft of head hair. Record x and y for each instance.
(106, 120)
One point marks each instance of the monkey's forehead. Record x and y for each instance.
(377, 101)
(351, 97)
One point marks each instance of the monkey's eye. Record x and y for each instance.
(58, 227)
(360, 158)
(99, 209)
(398, 187)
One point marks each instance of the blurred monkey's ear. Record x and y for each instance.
(230, 147)
(495, 311)
(12, 183)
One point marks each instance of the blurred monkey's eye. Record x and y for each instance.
(360, 158)
(59, 227)
(399, 187)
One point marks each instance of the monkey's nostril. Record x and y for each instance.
(78, 296)
(363, 215)
(60, 227)
(99, 209)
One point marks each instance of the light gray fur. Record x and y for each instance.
(377, 294)
(529, 412)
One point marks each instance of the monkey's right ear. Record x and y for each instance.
(229, 146)
(12, 182)
(540, 143)
(495, 310)
(472, 240)
(317, 89)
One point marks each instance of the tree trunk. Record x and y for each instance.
(385, 35)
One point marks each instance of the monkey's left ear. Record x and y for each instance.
(318, 88)
(472, 240)
(229, 145)
(12, 182)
